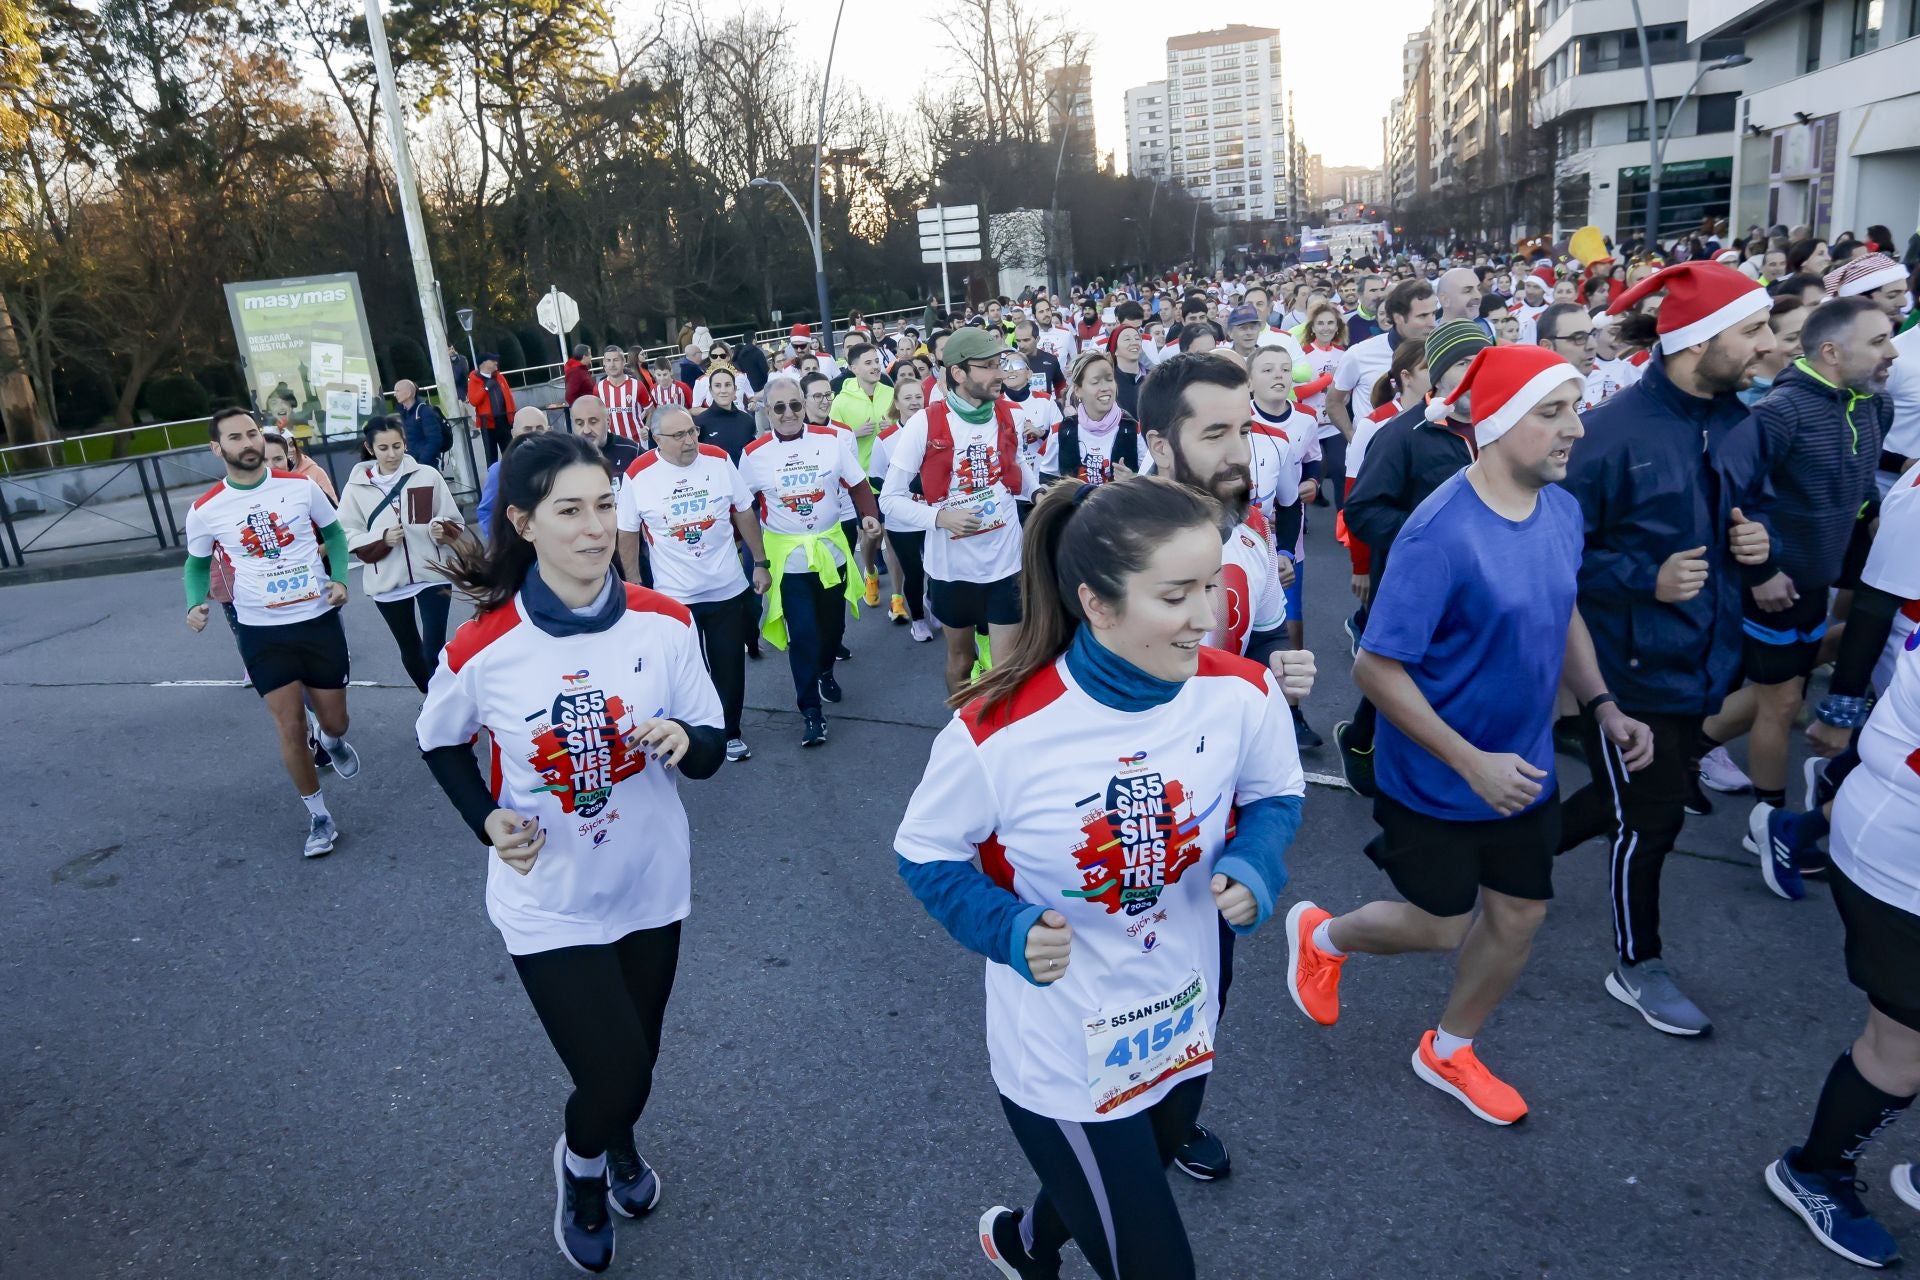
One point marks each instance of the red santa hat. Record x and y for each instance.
(1704, 299)
(800, 331)
(1506, 383)
(1544, 274)
(1864, 274)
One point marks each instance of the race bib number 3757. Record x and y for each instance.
(1132, 1049)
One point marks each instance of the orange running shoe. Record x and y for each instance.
(1313, 976)
(1465, 1077)
(873, 590)
(897, 608)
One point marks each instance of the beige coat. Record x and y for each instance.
(414, 559)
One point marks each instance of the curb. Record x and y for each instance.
(137, 563)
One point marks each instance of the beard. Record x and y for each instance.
(246, 459)
(1723, 372)
(1230, 486)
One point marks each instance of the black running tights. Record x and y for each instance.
(602, 1007)
(1104, 1184)
(908, 546)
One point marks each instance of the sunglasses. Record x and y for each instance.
(785, 407)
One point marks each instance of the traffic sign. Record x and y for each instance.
(557, 312)
(948, 234)
(949, 213)
(963, 240)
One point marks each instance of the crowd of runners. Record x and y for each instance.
(1628, 512)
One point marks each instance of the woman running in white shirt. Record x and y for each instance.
(1100, 879)
(595, 701)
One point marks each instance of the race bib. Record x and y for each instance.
(982, 503)
(1132, 1049)
(292, 587)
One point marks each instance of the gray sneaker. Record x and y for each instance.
(737, 750)
(1649, 989)
(321, 833)
(346, 761)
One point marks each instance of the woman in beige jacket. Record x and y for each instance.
(401, 519)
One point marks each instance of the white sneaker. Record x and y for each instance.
(1812, 771)
(737, 750)
(1905, 1186)
(920, 631)
(1718, 772)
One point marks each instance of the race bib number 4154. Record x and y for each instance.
(1131, 1050)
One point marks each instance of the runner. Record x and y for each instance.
(627, 399)
(1036, 415)
(1285, 448)
(590, 879)
(905, 547)
(266, 527)
(791, 472)
(1088, 942)
(965, 452)
(675, 495)
(860, 408)
(1876, 887)
(1667, 467)
(1471, 631)
(1200, 438)
(1097, 441)
(400, 519)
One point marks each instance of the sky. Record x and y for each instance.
(1337, 101)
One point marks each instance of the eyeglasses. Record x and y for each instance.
(675, 435)
(785, 407)
(1583, 336)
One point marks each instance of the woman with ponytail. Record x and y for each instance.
(595, 700)
(1099, 881)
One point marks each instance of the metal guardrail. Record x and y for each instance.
(78, 450)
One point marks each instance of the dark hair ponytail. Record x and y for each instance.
(492, 571)
(1099, 538)
(377, 426)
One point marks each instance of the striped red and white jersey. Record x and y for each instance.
(627, 402)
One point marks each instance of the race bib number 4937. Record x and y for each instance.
(1132, 1049)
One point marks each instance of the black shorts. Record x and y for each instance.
(1786, 645)
(312, 652)
(1883, 950)
(1440, 865)
(975, 604)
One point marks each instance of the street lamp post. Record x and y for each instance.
(1656, 136)
(819, 150)
(819, 259)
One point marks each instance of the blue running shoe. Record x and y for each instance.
(1771, 833)
(1829, 1203)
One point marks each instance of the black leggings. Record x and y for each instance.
(908, 546)
(420, 645)
(602, 1007)
(1104, 1184)
(724, 626)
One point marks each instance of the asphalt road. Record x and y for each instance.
(217, 1059)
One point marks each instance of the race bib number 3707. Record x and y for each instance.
(1132, 1049)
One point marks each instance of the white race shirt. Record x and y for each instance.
(554, 708)
(1119, 834)
(1251, 597)
(1876, 815)
(977, 485)
(267, 541)
(799, 482)
(1361, 367)
(686, 515)
(1893, 567)
(1903, 388)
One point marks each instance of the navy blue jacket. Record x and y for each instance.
(1661, 471)
(426, 431)
(1822, 444)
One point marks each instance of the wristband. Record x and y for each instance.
(1841, 711)
(763, 564)
(1598, 699)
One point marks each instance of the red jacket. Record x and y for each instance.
(579, 381)
(483, 403)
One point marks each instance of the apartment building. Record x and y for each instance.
(1229, 141)
(1147, 130)
(1589, 85)
(1828, 114)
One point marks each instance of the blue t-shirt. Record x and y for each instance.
(1476, 607)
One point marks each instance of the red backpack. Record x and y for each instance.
(936, 466)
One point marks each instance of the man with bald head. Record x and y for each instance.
(528, 419)
(594, 423)
(1459, 292)
(425, 430)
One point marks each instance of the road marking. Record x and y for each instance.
(1329, 780)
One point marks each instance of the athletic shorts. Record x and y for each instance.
(1883, 950)
(1295, 612)
(1440, 865)
(312, 652)
(1786, 645)
(975, 604)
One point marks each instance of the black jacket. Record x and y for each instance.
(1822, 446)
(1408, 459)
(1661, 471)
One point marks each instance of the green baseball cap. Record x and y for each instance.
(972, 344)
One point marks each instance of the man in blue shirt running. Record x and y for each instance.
(1471, 631)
